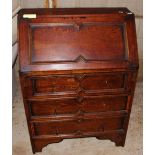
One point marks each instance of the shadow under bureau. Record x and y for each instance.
(78, 70)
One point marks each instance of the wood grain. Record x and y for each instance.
(78, 70)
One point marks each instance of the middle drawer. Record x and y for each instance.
(72, 105)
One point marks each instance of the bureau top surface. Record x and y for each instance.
(77, 39)
(73, 11)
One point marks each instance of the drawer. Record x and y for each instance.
(74, 105)
(75, 84)
(78, 126)
(103, 81)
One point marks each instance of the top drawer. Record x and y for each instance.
(76, 84)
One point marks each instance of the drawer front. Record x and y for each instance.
(78, 126)
(46, 85)
(103, 81)
(76, 105)
(75, 84)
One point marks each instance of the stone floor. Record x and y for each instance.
(81, 146)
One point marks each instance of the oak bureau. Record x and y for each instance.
(78, 70)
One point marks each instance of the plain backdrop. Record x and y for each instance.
(6, 75)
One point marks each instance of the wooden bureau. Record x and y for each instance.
(78, 70)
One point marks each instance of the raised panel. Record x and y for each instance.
(78, 83)
(104, 104)
(60, 42)
(103, 81)
(78, 126)
(55, 84)
(75, 105)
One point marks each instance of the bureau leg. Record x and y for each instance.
(36, 149)
(39, 144)
(120, 141)
(117, 138)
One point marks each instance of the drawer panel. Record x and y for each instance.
(78, 126)
(55, 84)
(74, 105)
(77, 83)
(103, 81)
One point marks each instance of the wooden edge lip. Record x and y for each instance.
(74, 117)
(112, 66)
(45, 137)
(74, 11)
(26, 72)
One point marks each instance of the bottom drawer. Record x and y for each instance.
(78, 126)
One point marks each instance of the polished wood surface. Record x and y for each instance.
(78, 70)
(77, 39)
(75, 105)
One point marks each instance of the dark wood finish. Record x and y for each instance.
(74, 105)
(76, 84)
(78, 126)
(78, 70)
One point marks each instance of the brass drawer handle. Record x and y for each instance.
(78, 132)
(80, 99)
(77, 26)
(57, 132)
(80, 120)
(104, 104)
